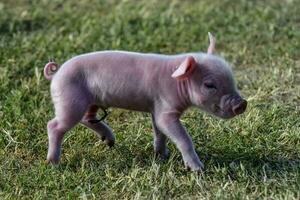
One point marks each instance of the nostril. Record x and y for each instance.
(240, 107)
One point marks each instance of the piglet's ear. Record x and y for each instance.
(212, 44)
(185, 69)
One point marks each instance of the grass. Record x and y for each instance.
(254, 156)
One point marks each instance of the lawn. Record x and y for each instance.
(253, 156)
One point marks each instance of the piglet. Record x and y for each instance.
(163, 85)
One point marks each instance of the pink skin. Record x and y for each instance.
(162, 85)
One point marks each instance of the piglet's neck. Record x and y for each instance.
(184, 94)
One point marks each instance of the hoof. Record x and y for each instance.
(194, 168)
(163, 155)
(53, 162)
(110, 143)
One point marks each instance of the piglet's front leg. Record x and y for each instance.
(169, 124)
(160, 141)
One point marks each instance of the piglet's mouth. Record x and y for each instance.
(230, 106)
(230, 112)
(218, 111)
(216, 108)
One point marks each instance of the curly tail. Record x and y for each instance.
(50, 69)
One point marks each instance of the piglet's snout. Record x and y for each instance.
(239, 106)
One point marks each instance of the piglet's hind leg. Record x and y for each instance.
(100, 128)
(68, 114)
(56, 130)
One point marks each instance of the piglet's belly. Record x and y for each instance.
(130, 102)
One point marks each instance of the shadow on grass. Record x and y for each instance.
(252, 164)
(236, 165)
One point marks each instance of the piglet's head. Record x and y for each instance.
(211, 85)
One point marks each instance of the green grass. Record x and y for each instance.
(254, 156)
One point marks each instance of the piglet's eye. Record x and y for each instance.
(210, 86)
